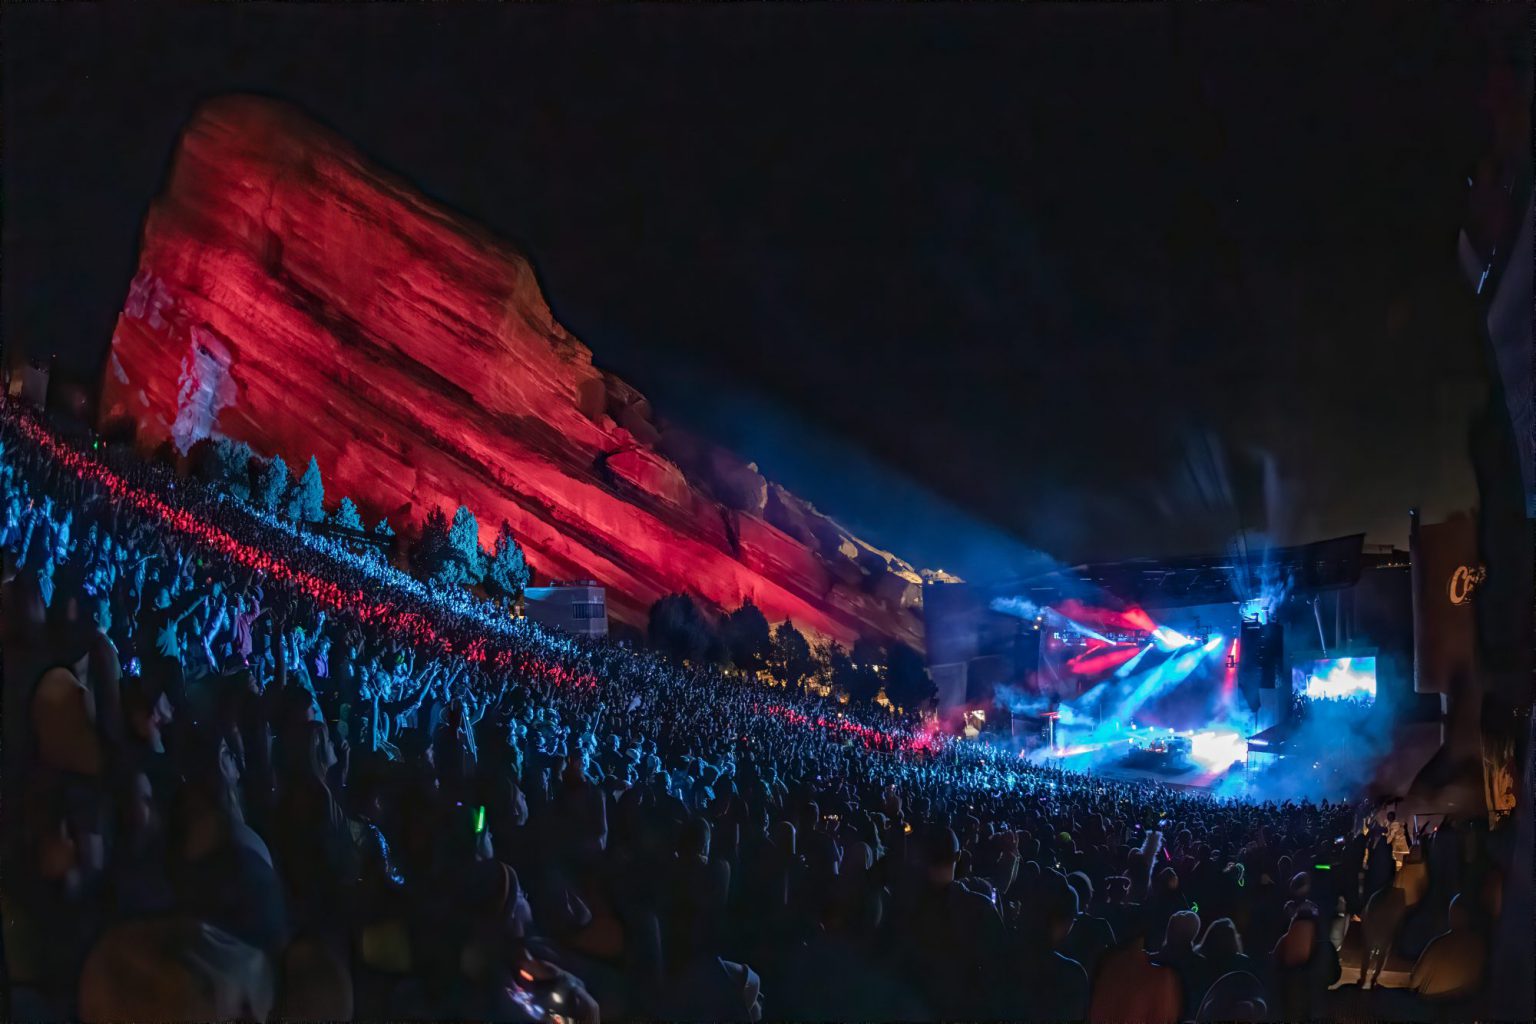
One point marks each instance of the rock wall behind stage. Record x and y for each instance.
(293, 296)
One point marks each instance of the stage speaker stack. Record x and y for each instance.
(1260, 655)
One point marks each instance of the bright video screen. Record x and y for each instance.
(1342, 679)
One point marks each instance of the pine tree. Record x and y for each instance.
(833, 664)
(224, 463)
(387, 532)
(430, 555)
(507, 573)
(307, 502)
(235, 459)
(464, 542)
(792, 653)
(678, 628)
(747, 637)
(716, 652)
(272, 484)
(347, 516)
(855, 673)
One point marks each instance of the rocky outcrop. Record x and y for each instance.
(731, 481)
(291, 295)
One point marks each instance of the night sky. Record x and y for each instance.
(973, 279)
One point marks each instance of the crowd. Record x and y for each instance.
(253, 774)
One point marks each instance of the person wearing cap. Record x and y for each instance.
(147, 716)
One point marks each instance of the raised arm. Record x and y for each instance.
(429, 679)
(217, 621)
(478, 704)
(189, 609)
(407, 702)
(280, 664)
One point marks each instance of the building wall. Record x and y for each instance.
(972, 648)
(578, 610)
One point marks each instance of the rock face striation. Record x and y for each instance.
(293, 296)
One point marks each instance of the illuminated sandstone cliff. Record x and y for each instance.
(291, 295)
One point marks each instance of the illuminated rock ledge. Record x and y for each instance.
(291, 295)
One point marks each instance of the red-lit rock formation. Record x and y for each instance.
(293, 296)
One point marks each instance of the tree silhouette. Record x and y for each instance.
(679, 629)
(431, 555)
(307, 502)
(748, 640)
(857, 673)
(235, 458)
(347, 516)
(507, 573)
(792, 657)
(226, 463)
(384, 530)
(464, 543)
(272, 484)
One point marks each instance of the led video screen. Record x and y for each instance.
(1342, 679)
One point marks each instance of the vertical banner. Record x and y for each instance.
(1446, 575)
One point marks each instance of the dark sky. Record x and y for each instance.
(1060, 271)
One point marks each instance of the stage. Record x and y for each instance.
(1183, 660)
(1122, 755)
(1194, 776)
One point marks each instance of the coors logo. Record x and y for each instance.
(1463, 582)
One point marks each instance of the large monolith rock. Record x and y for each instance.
(292, 295)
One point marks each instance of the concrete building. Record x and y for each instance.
(577, 608)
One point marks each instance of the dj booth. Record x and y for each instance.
(1163, 752)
